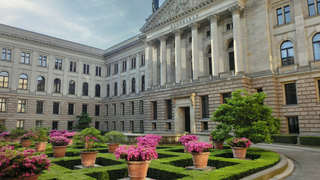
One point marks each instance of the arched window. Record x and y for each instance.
(287, 55)
(72, 87)
(23, 82)
(56, 86)
(4, 79)
(133, 87)
(98, 89)
(108, 90)
(316, 46)
(115, 89)
(124, 87)
(231, 56)
(85, 89)
(41, 83)
(143, 86)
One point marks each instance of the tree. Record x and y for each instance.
(247, 116)
(83, 121)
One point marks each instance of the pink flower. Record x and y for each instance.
(199, 147)
(136, 153)
(187, 138)
(149, 140)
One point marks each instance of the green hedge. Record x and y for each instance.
(310, 140)
(288, 139)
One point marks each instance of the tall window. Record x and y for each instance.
(70, 125)
(98, 71)
(122, 109)
(143, 61)
(58, 64)
(124, 87)
(22, 106)
(25, 58)
(169, 109)
(132, 126)
(293, 123)
(122, 125)
(107, 110)
(70, 109)
(291, 93)
(98, 90)
(108, 70)
(57, 86)
(154, 110)
(55, 108)
(38, 123)
(115, 69)
(141, 107)
(84, 108)
(287, 55)
(41, 83)
(205, 106)
(4, 79)
(114, 109)
(72, 87)
(97, 125)
(231, 56)
(225, 97)
(115, 89)
(316, 46)
(132, 107)
(143, 86)
(141, 126)
(6, 54)
(73, 66)
(39, 109)
(210, 60)
(124, 66)
(108, 90)
(3, 105)
(23, 81)
(133, 85)
(283, 15)
(86, 68)
(313, 9)
(133, 63)
(20, 124)
(55, 124)
(97, 110)
(42, 61)
(114, 125)
(85, 89)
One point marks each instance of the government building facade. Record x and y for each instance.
(188, 58)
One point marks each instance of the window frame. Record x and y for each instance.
(4, 79)
(54, 110)
(97, 110)
(288, 59)
(25, 57)
(58, 64)
(71, 108)
(72, 87)
(6, 54)
(57, 85)
(3, 105)
(41, 84)
(285, 95)
(22, 103)
(97, 90)
(40, 107)
(42, 62)
(85, 89)
(20, 124)
(169, 109)
(283, 16)
(205, 113)
(23, 82)
(314, 48)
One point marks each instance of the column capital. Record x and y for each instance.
(162, 37)
(143, 38)
(214, 18)
(236, 9)
(194, 26)
(148, 43)
(177, 32)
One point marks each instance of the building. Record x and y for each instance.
(189, 57)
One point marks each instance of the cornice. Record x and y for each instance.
(123, 46)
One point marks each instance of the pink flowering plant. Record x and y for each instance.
(28, 135)
(59, 141)
(136, 153)
(198, 146)
(20, 164)
(88, 137)
(5, 134)
(149, 140)
(239, 142)
(187, 138)
(64, 133)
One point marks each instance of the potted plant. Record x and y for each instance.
(70, 136)
(64, 133)
(187, 138)
(88, 137)
(16, 134)
(137, 158)
(41, 137)
(24, 165)
(150, 140)
(26, 139)
(113, 139)
(200, 152)
(219, 135)
(6, 136)
(59, 145)
(2, 129)
(239, 147)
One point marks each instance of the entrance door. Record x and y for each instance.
(187, 119)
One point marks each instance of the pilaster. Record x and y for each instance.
(195, 50)
(214, 43)
(177, 53)
(163, 60)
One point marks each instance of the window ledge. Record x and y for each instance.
(287, 69)
(315, 64)
(290, 105)
(205, 119)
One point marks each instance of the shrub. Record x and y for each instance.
(115, 137)
(83, 121)
(41, 133)
(87, 137)
(310, 140)
(288, 139)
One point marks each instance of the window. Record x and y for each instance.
(141, 107)
(114, 125)
(73, 66)
(132, 107)
(312, 8)
(108, 70)
(143, 61)
(169, 109)
(143, 86)
(115, 69)
(39, 109)
(133, 63)
(70, 109)
(85, 89)
(55, 125)
(97, 125)
(154, 126)
(58, 64)
(259, 90)
(154, 110)
(98, 71)
(84, 108)
(70, 125)
(107, 126)
(23, 81)
(86, 68)
(287, 55)
(41, 83)
(107, 110)
(115, 89)
(3, 105)
(97, 110)
(132, 126)
(122, 125)
(316, 46)
(204, 126)
(25, 58)
(38, 123)
(56, 108)
(283, 15)
(122, 109)
(72, 87)
(6, 54)
(124, 87)
(231, 56)
(108, 90)
(291, 93)
(141, 126)
(42, 61)
(124, 66)
(133, 85)
(229, 26)
(4, 79)
(98, 90)
(190, 39)
(293, 123)
(20, 124)
(208, 33)
(225, 97)
(56, 86)
(205, 106)
(114, 109)
(168, 126)
(22, 106)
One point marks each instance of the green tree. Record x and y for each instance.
(248, 117)
(83, 121)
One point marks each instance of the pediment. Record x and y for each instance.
(172, 9)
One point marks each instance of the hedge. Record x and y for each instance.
(288, 139)
(310, 140)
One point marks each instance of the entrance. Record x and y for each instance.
(187, 119)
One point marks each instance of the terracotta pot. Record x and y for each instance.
(88, 158)
(200, 160)
(218, 144)
(34, 177)
(239, 152)
(40, 146)
(137, 170)
(112, 147)
(26, 143)
(7, 138)
(71, 141)
(59, 151)
(16, 140)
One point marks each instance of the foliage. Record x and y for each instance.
(310, 140)
(149, 140)
(289, 139)
(88, 137)
(239, 142)
(28, 135)
(41, 133)
(247, 116)
(17, 132)
(136, 153)
(221, 133)
(63, 133)
(187, 138)
(115, 137)
(4, 134)
(59, 141)
(198, 146)
(15, 163)
(83, 121)
(3, 129)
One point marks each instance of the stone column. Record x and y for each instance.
(236, 10)
(64, 81)
(169, 68)
(155, 63)
(33, 76)
(163, 60)
(149, 67)
(214, 43)
(177, 53)
(195, 50)
(128, 79)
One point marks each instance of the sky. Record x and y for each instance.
(96, 23)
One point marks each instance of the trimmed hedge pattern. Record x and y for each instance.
(288, 139)
(310, 140)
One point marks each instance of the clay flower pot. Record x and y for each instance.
(16, 140)
(137, 170)
(218, 144)
(26, 143)
(7, 138)
(112, 147)
(40, 146)
(59, 151)
(200, 160)
(88, 158)
(239, 152)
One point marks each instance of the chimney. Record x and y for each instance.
(155, 5)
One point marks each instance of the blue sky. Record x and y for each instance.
(97, 23)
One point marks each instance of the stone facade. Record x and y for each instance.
(189, 56)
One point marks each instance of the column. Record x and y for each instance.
(79, 80)
(14, 76)
(163, 60)
(155, 63)
(138, 76)
(33, 76)
(91, 82)
(195, 50)
(214, 43)
(64, 81)
(128, 79)
(177, 52)
(149, 67)
(169, 65)
(236, 10)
